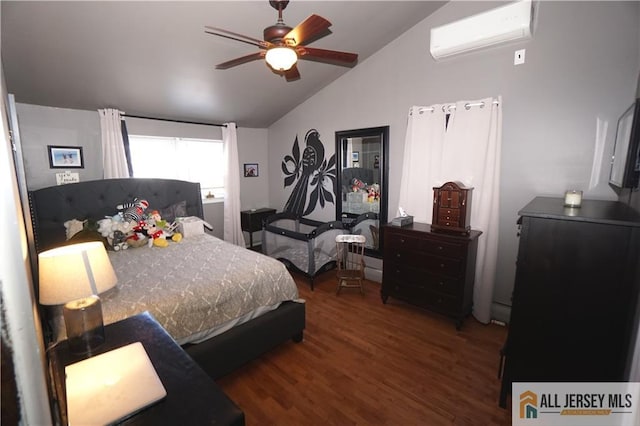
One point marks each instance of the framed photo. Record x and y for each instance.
(250, 170)
(65, 157)
(355, 156)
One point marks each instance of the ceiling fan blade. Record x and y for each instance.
(238, 37)
(292, 73)
(240, 60)
(308, 30)
(328, 56)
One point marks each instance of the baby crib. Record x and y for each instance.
(304, 245)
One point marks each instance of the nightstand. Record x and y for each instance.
(192, 396)
(251, 221)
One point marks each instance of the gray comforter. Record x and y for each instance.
(196, 285)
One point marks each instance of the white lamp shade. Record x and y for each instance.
(72, 272)
(281, 58)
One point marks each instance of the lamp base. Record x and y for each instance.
(83, 321)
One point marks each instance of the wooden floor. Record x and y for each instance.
(366, 363)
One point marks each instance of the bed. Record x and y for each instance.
(224, 304)
(304, 245)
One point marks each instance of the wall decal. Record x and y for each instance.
(312, 171)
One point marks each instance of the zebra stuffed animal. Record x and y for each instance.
(134, 211)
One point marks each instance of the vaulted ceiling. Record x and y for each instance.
(154, 58)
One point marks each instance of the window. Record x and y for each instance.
(194, 160)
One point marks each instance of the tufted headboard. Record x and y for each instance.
(52, 206)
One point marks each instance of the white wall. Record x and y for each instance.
(581, 67)
(21, 331)
(41, 126)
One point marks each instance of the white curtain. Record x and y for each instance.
(420, 157)
(114, 160)
(232, 230)
(465, 150)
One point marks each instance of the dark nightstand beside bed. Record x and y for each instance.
(251, 221)
(192, 396)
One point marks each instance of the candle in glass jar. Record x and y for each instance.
(573, 198)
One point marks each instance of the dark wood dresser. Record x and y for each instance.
(432, 270)
(573, 314)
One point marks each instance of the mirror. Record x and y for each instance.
(363, 173)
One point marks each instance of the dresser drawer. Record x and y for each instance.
(428, 263)
(400, 242)
(428, 299)
(449, 223)
(449, 214)
(418, 277)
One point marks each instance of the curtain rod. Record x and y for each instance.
(172, 120)
(450, 107)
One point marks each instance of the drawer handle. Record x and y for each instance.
(398, 255)
(441, 283)
(402, 240)
(442, 265)
(439, 300)
(440, 248)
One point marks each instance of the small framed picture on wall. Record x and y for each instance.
(65, 157)
(250, 170)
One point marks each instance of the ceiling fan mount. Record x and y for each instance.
(292, 41)
(275, 33)
(279, 5)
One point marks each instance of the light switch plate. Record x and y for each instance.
(518, 57)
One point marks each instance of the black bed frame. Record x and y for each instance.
(51, 207)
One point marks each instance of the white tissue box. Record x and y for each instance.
(190, 226)
(402, 221)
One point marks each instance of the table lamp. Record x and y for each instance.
(74, 275)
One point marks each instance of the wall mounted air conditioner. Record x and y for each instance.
(503, 24)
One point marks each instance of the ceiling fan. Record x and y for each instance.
(283, 46)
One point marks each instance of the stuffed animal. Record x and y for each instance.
(371, 195)
(156, 235)
(134, 211)
(109, 226)
(357, 184)
(137, 239)
(159, 230)
(119, 241)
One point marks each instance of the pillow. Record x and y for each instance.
(170, 213)
(73, 226)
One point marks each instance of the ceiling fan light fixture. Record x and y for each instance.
(281, 58)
